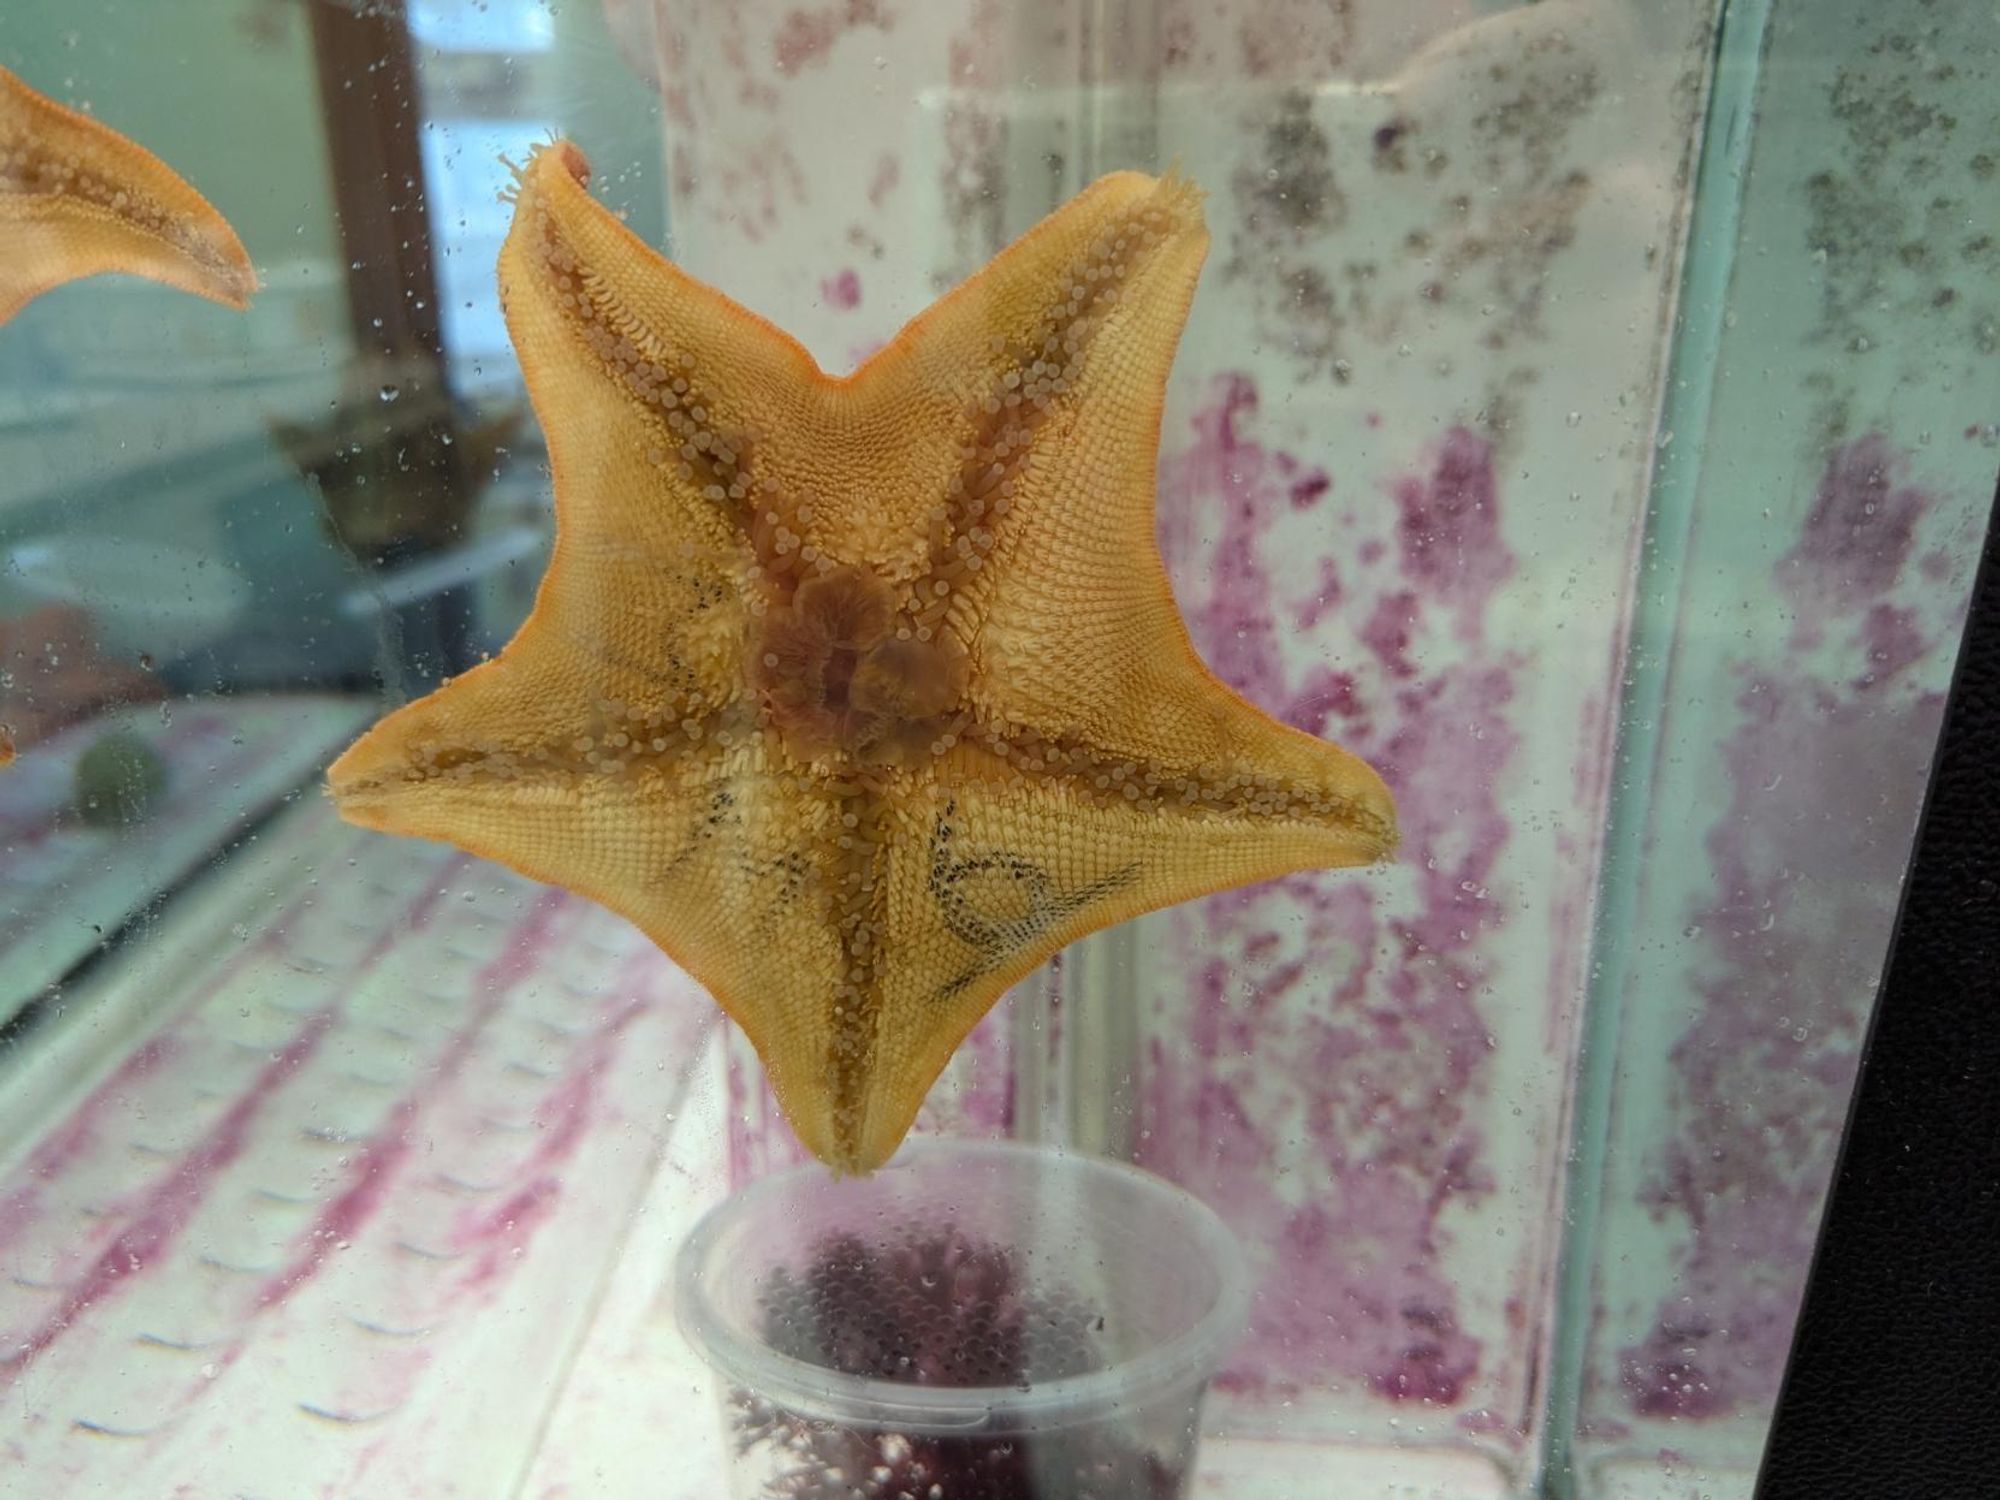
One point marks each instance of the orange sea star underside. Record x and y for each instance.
(861, 696)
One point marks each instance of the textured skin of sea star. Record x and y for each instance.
(77, 198)
(861, 696)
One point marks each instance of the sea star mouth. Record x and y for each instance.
(838, 677)
(840, 665)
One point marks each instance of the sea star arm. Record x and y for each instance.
(77, 198)
(643, 608)
(659, 398)
(1001, 352)
(996, 870)
(620, 700)
(714, 847)
(711, 849)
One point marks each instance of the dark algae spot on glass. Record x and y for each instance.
(120, 780)
(936, 1309)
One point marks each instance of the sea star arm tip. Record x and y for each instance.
(77, 198)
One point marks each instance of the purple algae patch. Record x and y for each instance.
(1859, 532)
(1449, 528)
(841, 291)
(1326, 1098)
(1823, 777)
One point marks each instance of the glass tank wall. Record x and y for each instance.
(1587, 415)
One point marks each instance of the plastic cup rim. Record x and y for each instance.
(1187, 1359)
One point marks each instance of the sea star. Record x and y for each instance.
(861, 696)
(77, 198)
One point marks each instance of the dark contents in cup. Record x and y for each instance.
(941, 1310)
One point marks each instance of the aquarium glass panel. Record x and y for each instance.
(1584, 415)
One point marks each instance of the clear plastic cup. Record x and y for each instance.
(976, 1321)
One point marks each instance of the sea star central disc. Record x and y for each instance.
(860, 696)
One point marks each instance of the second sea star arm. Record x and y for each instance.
(666, 406)
(719, 856)
(991, 872)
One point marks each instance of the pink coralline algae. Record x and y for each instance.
(1268, 40)
(1825, 772)
(145, 1237)
(153, 1230)
(1857, 537)
(805, 37)
(888, 173)
(842, 291)
(1336, 1050)
(1449, 530)
(369, 1179)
